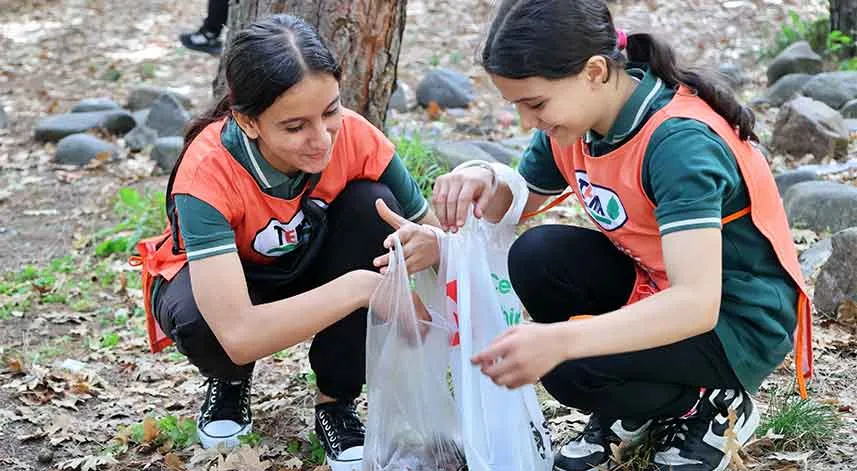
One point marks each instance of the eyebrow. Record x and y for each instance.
(530, 98)
(303, 118)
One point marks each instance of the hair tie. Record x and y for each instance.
(621, 39)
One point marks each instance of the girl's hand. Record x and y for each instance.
(454, 192)
(418, 242)
(523, 354)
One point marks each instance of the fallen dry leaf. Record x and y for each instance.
(733, 446)
(15, 365)
(89, 463)
(434, 111)
(150, 430)
(245, 458)
(174, 462)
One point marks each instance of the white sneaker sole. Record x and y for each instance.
(233, 441)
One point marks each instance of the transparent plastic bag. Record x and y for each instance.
(501, 429)
(412, 423)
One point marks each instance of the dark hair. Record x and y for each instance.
(555, 38)
(262, 62)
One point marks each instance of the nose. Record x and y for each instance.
(528, 118)
(322, 137)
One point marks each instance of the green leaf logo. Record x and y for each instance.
(613, 208)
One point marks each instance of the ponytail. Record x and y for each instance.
(221, 109)
(661, 59)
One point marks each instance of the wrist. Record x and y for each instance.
(483, 165)
(568, 338)
(363, 285)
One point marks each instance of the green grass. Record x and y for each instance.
(799, 424)
(794, 29)
(142, 215)
(180, 432)
(421, 162)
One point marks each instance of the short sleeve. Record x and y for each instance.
(205, 231)
(539, 169)
(688, 173)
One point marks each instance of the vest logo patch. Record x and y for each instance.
(603, 204)
(278, 238)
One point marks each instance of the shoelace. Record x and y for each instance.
(591, 432)
(341, 425)
(670, 433)
(227, 400)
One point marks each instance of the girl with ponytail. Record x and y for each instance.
(667, 316)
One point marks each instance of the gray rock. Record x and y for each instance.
(447, 88)
(401, 98)
(144, 96)
(833, 88)
(788, 179)
(797, 58)
(455, 153)
(805, 126)
(140, 137)
(166, 151)
(54, 128)
(822, 206)
(140, 116)
(4, 120)
(95, 104)
(849, 110)
(167, 117)
(80, 149)
(837, 280)
(832, 168)
(517, 143)
(499, 152)
(814, 257)
(785, 89)
(732, 74)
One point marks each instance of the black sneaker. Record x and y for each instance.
(225, 414)
(202, 40)
(698, 442)
(341, 435)
(591, 448)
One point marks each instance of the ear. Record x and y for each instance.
(247, 124)
(597, 70)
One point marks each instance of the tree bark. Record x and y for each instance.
(364, 35)
(843, 17)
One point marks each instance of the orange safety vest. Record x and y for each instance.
(610, 188)
(261, 222)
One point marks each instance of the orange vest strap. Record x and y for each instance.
(559, 199)
(736, 215)
(800, 338)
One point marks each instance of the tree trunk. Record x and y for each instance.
(364, 35)
(843, 17)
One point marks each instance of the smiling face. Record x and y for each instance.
(566, 108)
(297, 132)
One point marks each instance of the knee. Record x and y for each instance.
(359, 197)
(528, 257)
(575, 383)
(530, 249)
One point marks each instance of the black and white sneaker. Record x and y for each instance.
(698, 442)
(202, 40)
(591, 448)
(341, 435)
(225, 414)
